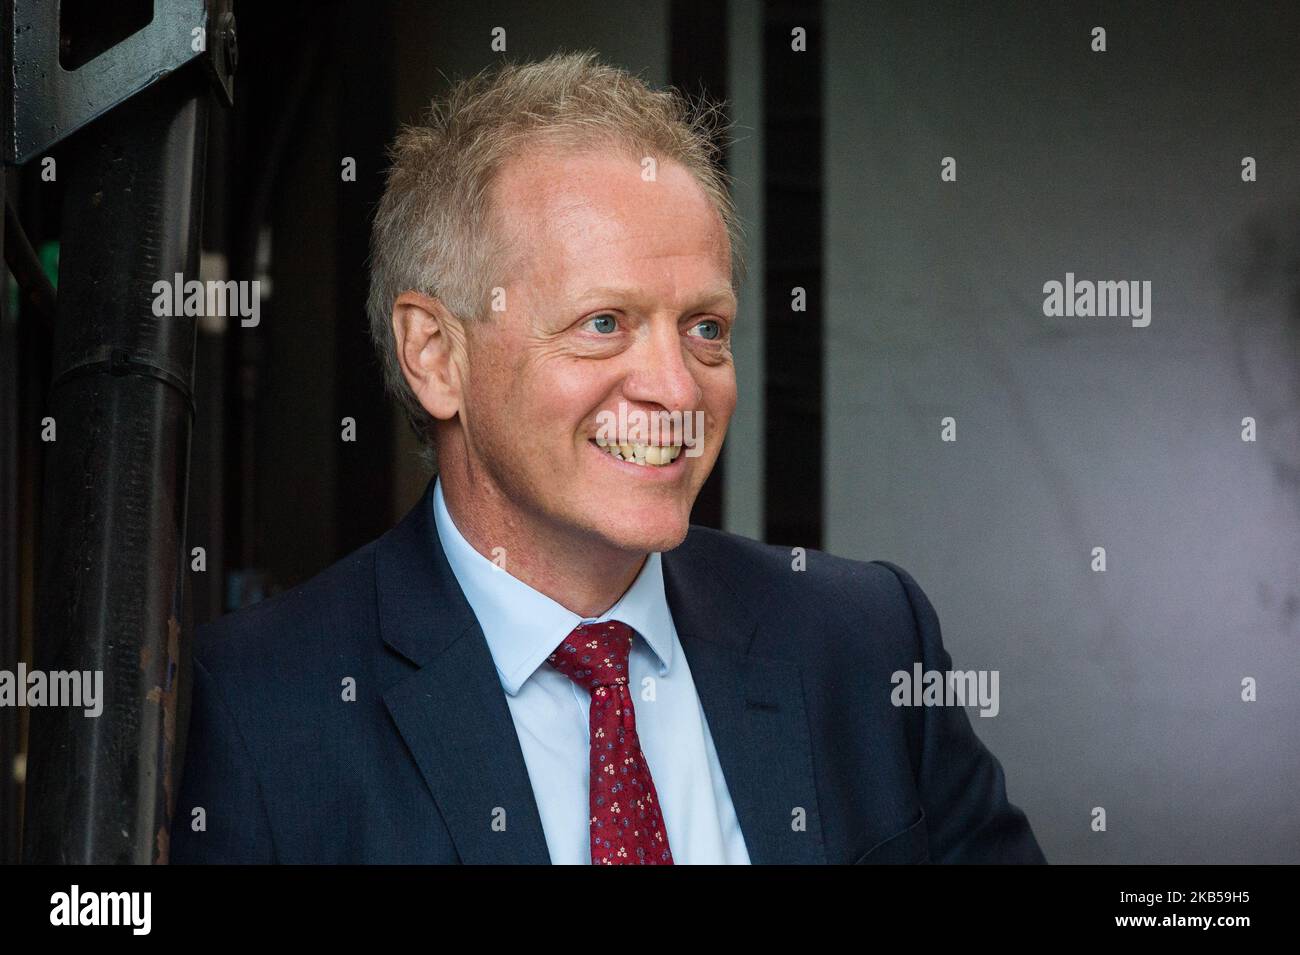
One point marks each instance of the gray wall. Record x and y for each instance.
(1119, 689)
(745, 447)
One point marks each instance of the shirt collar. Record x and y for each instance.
(523, 626)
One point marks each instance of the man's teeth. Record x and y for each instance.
(642, 454)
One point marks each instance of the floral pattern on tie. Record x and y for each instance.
(627, 827)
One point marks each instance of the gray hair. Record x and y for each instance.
(432, 231)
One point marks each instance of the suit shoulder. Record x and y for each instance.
(825, 576)
(336, 604)
(844, 611)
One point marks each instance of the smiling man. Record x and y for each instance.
(544, 661)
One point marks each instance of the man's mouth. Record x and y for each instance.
(646, 455)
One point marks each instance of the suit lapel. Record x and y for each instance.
(452, 711)
(755, 710)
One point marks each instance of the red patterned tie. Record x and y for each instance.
(627, 827)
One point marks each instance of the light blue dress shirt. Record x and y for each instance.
(550, 712)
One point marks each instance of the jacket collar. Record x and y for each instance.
(523, 626)
(754, 703)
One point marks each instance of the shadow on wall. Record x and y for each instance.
(1262, 267)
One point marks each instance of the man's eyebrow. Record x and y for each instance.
(635, 296)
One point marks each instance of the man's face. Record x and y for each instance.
(616, 290)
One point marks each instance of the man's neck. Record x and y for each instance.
(580, 576)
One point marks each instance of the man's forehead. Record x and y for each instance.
(569, 215)
(610, 181)
(634, 274)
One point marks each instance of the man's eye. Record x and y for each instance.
(713, 329)
(604, 323)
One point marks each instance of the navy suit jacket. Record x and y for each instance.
(792, 668)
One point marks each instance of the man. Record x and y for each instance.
(543, 661)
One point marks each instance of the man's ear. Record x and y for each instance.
(431, 350)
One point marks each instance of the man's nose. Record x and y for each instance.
(662, 373)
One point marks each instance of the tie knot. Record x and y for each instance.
(594, 654)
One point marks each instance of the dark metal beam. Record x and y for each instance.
(48, 102)
(9, 786)
(99, 789)
(793, 341)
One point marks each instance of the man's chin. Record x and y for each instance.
(647, 538)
